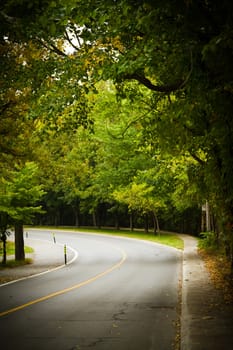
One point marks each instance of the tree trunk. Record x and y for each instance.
(229, 254)
(19, 242)
(57, 218)
(4, 249)
(208, 221)
(231, 251)
(76, 215)
(156, 223)
(131, 221)
(94, 219)
(117, 226)
(203, 218)
(146, 224)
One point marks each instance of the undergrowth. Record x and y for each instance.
(217, 263)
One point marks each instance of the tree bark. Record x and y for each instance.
(146, 224)
(208, 222)
(19, 242)
(156, 223)
(94, 219)
(131, 222)
(4, 249)
(76, 215)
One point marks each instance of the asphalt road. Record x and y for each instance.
(119, 294)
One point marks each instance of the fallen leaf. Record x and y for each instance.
(207, 317)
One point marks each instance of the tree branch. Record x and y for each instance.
(77, 36)
(162, 88)
(198, 159)
(70, 41)
(159, 88)
(52, 47)
(59, 52)
(122, 133)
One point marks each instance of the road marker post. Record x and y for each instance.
(54, 238)
(65, 256)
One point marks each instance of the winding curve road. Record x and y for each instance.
(119, 294)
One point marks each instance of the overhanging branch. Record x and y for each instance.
(162, 88)
(197, 158)
(159, 88)
(70, 41)
(51, 47)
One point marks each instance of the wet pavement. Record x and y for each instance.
(206, 321)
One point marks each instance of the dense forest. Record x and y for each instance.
(117, 113)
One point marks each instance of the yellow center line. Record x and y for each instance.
(69, 289)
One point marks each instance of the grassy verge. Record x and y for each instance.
(15, 263)
(166, 238)
(10, 248)
(11, 251)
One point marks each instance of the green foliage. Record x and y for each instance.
(171, 64)
(20, 193)
(208, 240)
(16, 263)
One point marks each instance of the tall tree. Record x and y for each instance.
(19, 196)
(180, 51)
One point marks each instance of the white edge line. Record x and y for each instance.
(47, 271)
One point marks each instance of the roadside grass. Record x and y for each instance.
(15, 263)
(166, 238)
(10, 250)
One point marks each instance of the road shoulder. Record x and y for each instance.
(206, 321)
(47, 256)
